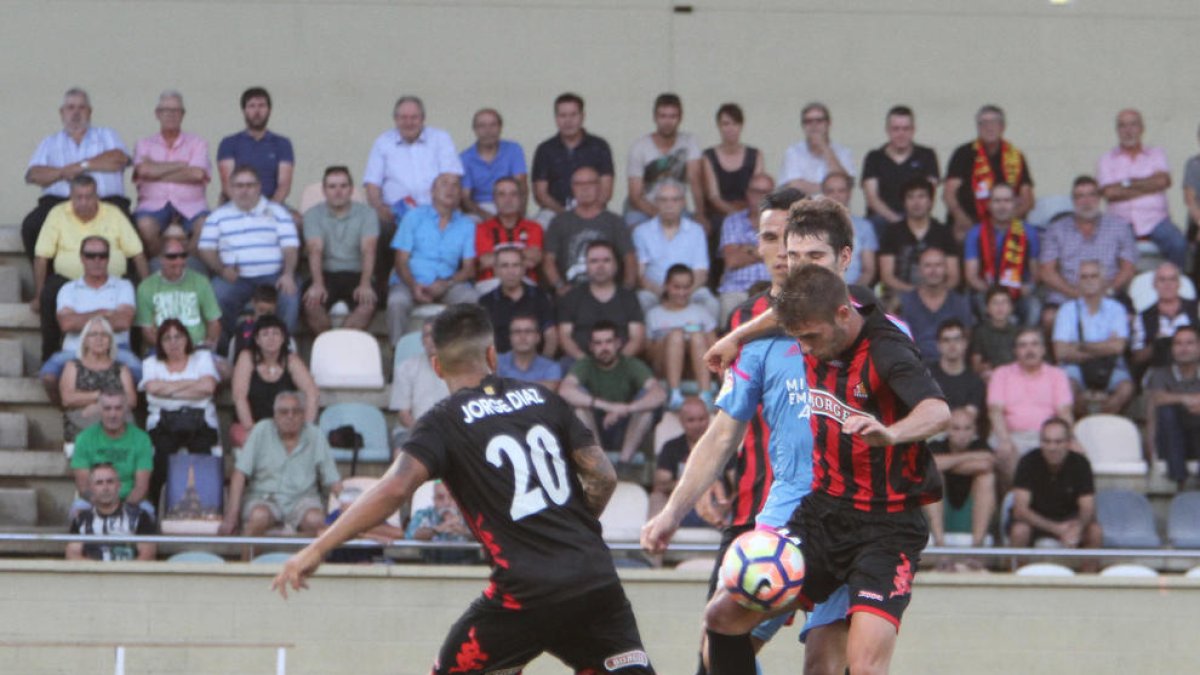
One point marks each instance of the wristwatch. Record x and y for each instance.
(1126, 183)
(83, 165)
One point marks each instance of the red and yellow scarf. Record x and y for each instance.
(983, 177)
(1011, 268)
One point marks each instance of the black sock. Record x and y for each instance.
(730, 654)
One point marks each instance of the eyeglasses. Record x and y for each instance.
(244, 185)
(93, 255)
(289, 411)
(814, 120)
(175, 256)
(173, 111)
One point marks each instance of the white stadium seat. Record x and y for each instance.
(343, 358)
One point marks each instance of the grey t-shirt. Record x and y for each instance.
(1169, 379)
(342, 236)
(653, 165)
(568, 237)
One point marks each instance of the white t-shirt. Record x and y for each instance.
(661, 320)
(80, 298)
(653, 165)
(798, 162)
(199, 364)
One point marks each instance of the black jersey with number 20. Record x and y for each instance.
(504, 449)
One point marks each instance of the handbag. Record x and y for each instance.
(182, 422)
(1096, 371)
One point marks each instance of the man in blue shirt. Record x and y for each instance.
(524, 362)
(489, 160)
(270, 154)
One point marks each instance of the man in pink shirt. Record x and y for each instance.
(171, 170)
(1022, 395)
(1134, 179)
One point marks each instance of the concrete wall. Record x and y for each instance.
(391, 620)
(335, 67)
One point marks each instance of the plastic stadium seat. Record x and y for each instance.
(313, 195)
(422, 498)
(1141, 290)
(408, 346)
(626, 513)
(272, 558)
(1193, 573)
(416, 318)
(1129, 570)
(347, 359)
(665, 430)
(366, 420)
(1127, 519)
(1044, 570)
(359, 484)
(697, 564)
(1049, 208)
(1183, 521)
(1112, 444)
(196, 557)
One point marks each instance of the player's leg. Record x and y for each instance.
(825, 634)
(870, 644)
(598, 633)
(486, 638)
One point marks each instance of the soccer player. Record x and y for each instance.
(530, 482)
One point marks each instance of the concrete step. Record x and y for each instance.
(12, 358)
(10, 284)
(14, 431)
(10, 240)
(18, 507)
(44, 424)
(33, 463)
(16, 316)
(22, 390)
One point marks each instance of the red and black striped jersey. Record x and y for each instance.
(752, 475)
(881, 374)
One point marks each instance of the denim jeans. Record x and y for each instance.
(232, 297)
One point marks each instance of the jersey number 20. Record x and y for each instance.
(541, 447)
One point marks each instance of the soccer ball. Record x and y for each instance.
(763, 570)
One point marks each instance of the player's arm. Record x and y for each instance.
(596, 475)
(931, 416)
(704, 465)
(722, 354)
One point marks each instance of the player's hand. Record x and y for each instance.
(722, 354)
(657, 533)
(315, 296)
(295, 571)
(874, 432)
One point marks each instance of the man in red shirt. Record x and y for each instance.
(507, 228)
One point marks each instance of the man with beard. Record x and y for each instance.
(269, 153)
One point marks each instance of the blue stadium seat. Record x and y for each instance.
(195, 557)
(1183, 521)
(272, 558)
(1127, 519)
(367, 421)
(408, 346)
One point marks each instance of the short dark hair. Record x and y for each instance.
(1030, 330)
(600, 243)
(568, 97)
(993, 291)
(900, 111)
(83, 180)
(462, 333)
(601, 325)
(262, 323)
(255, 92)
(94, 237)
(484, 111)
(781, 199)
(1056, 421)
(667, 100)
(1084, 180)
(335, 169)
(508, 248)
(951, 324)
(811, 293)
(678, 268)
(104, 465)
(917, 183)
(172, 324)
(265, 293)
(506, 179)
(989, 108)
(245, 168)
(1194, 330)
(816, 105)
(838, 175)
(523, 316)
(733, 111)
(823, 219)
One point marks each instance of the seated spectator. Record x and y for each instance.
(693, 417)
(888, 168)
(263, 301)
(962, 387)
(516, 296)
(967, 465)
(507, 228)
(415, 386)
(1134, 179)
(1173, 406)
(268, 153)
(616, 396)
(250, 242)
(406, 161)
(179, 383)
(1021, 396)
(600, 299)
(560, 156)
(978, 165)
(114, 440)
(94, 295)
(861, 271)
(993, 339)
(522, 361)
(933, 302)
(805, 164)
(728, 169)
(680, 332)
(739, 248)
(1090, 336)
(487, 161)
(571, 232)
(60, 243)
(1154, 326)
(1191, 200)
(94, 369)
(1054, 494)
(666, 153)
(281, 472)
(671, 238)
(262, 372)
(107, 514)
(80, 149)
(1003, 251)
(435, 256)
(442, 521)
(903, 242)
(171, 170)
(176, 292)
(384, 533)
(340, 237)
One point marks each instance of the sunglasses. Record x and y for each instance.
(175, 256)
(95, 256)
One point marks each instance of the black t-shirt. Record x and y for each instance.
(673, 456)
(554, 162)
(1055, 495)
(962, 166)
(903, 245)
(501, 309)
(958, 486)
(966, 388)
(505, 450)
(921, 163)
(581, 309)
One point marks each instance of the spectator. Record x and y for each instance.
(406, 161)
(263, 301)
(671, 238)
(728, 168)
(861, 271)
(1090, 337)
(993, 339)
(667, 153)
(1191, 200)
(268, 153)
(600, 299)
(1054, 494)
(79, 149)
(967, 466)
(442, 521)
(61, 243)
(1154, 327)
(171, 170)
(933, 302)
(888, 168)
(680, 332)
(1134, 179)
(571, 232)
(1173, 406)
(487, 161)
(179, 383)
(250, 242)
(340, 236)
(415, 386)
(558, 158)
(94, 369)
(176, 292)
(110, 515)
(739, 247)
(1003, 250)
(1087, 234)
(114, 440)
(280, 473)
(615, 395)
(962, 387)
(978, 165)
(806, 163)
(268, 368)
(383, 533)
(522, 361)
(1021, 396)
(903, 242)
(435, 256)
(693, 417)
(507, 228)
(515, 296)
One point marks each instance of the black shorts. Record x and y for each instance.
(594, 632)
(875, 554)
(340, 286)
(728, 534)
